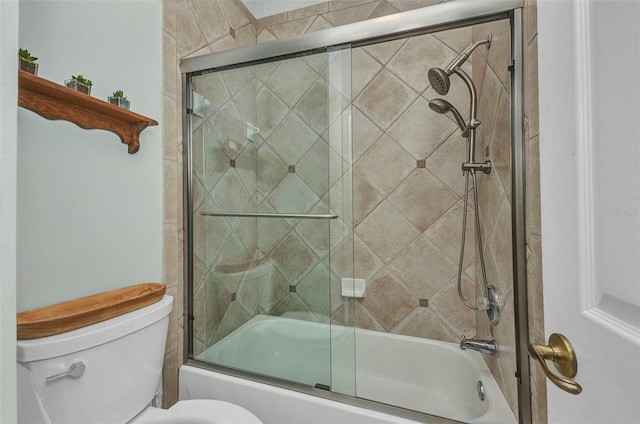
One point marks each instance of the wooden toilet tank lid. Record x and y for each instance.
(78, 313)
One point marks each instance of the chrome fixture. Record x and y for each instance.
(75, 370)
(270, 215)
(491, 304)
(488, 347)
(442, 106)
(439, 79)
(480, 389)
(441, 83)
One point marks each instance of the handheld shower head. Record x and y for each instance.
(439, 80)
(442, 106)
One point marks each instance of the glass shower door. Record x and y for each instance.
(272, 222)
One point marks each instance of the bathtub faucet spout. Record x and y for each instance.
(488, 347)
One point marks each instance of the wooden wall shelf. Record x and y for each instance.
(54, 101)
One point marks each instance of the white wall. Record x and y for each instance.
(89, 213)
(8, 132)
(262, 8)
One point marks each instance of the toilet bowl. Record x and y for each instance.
(197, 411)
(108, 372)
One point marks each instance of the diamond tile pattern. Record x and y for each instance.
(385, 165)
(399, 226)
(385, 98)
(292, 138)
(387, 231)
(291, 80)
(422, 198)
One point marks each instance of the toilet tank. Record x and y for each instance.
(123, 357)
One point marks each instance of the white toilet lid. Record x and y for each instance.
(205, 411)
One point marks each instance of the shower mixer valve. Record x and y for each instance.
(491, 304)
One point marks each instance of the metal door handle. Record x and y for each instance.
(561, 353)
(75, 370)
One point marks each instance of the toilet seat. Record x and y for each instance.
(197, 411)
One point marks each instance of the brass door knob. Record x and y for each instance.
(561, 353)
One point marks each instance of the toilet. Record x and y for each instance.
(108, 372)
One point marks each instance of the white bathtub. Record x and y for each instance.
(427, 376)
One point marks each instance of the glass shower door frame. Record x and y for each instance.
(422, 21)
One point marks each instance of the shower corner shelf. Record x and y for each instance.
(54, 101)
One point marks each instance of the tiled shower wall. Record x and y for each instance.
(294, 165)
(190, 28)
(407, 185)
(492, 77)
(532, 208)
(200, 27)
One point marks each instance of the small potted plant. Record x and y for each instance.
(80, 84)
(119, 99)
(28, 62)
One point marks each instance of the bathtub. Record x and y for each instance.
(415, 374)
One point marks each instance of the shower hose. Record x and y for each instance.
(478, 237)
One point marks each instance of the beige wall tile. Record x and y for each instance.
(500, 52)
(170, 379)
(291, 28)
(382, 52)
(533, 186)
(246, 36)
(364, 68)
(169, 79)
(445, 162)
(270, 20)
(235, 15)
(415, 55)
(264, 36)
(189, 36)
(423, 268)
(211, 18)
(170, 139)
(387, 300)
(458, 39)
(351, 14)
(386, 231)
(420, 131)
(396, 95)
(169, 16)
(365, 134)
(422, 198)
(169, 192)
(530, 20)
(447, 305)
(531, 87)
(404, 5)
(318, 24)
(424, 323)
(488, 102)
(293, 258)
(500, 147)
(314, 10)
(383, 9)
(385, 165)
(343, 4)
(365, 198)
(446, 234)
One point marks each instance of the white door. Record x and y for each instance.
(589, 88)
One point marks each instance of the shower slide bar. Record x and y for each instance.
(270, 215)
